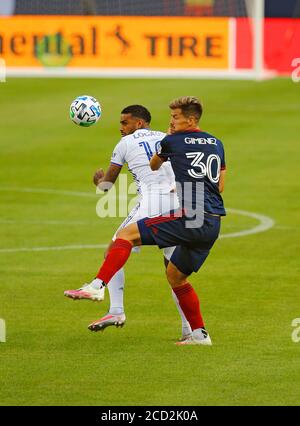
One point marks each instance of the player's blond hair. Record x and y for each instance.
(189, 105)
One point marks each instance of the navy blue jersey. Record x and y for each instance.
(197, 156)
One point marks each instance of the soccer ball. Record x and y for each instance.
(85, 111)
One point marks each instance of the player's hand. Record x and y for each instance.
(98, 176)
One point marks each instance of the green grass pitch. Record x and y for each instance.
(249, 286)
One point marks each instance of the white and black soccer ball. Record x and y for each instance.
(85, 111)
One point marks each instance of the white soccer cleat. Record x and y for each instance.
(86, 292)
(106, 321)
(200, 338)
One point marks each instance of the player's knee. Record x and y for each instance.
(170, 279)
(131, 234)
(124, 235)
(174, 276)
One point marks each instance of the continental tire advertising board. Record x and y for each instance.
(115, 42)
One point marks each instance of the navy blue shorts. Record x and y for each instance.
(192, 244)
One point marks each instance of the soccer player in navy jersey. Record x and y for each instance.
(198, 161)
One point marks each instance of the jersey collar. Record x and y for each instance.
(191, 131)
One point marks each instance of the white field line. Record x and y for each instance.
(265, 223)
(225, 74)
(48, 191)
(57, 248)
(63, 192)
(46, 222)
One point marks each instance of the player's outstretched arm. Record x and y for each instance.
(102, 179)
(156, 162)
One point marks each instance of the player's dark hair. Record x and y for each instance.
(189, 105)
(138, 111)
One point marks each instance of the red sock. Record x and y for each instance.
(189, 303)
(115, 259)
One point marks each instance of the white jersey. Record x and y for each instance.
(136, 150)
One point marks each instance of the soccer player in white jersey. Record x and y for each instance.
(156, 197)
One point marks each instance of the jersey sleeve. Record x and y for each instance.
(162, 149)
(118, 157)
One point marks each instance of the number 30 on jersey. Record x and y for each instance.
(203, 169)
